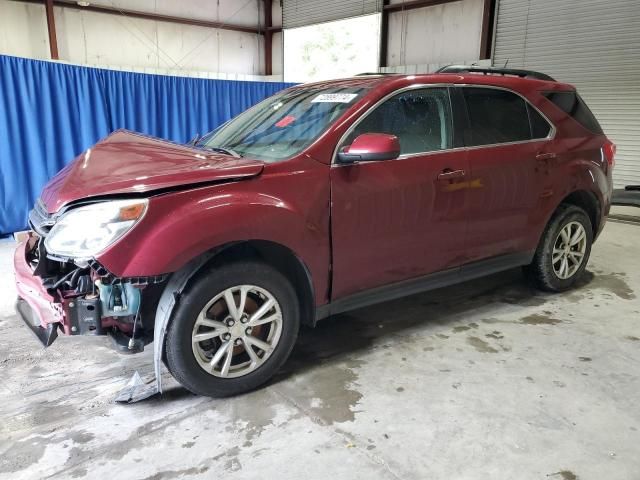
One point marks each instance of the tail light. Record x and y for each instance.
(609, 152)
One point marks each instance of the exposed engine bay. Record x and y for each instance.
(92, 301)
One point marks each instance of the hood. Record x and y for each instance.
(127, 162)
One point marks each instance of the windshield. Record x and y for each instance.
(282, 125)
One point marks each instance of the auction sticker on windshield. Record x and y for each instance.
(334, 97)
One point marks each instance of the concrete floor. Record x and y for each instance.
(487, 380)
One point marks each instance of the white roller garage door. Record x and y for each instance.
(592, 44)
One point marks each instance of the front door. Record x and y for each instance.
(394, 220)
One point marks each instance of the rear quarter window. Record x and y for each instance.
(540, 128)
(572, 104)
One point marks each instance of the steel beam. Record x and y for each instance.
(51, 28)
(268, 38)
(384, 34)
(412, 4)
(486, 37)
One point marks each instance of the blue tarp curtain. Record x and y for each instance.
(51, 112)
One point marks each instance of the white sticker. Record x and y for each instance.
(334, 97)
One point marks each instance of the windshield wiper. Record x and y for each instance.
(225, 150)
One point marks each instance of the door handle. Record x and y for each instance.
(543, 157)
(449, 174)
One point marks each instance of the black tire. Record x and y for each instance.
(541, 272)
(180, 359)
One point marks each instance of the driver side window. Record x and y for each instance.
(421, 119)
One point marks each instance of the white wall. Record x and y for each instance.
(96, 38)
(441, 34)
(277, 58)
(276, 13)
(23, 30)
(118, 41)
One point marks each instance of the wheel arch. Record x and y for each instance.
(589, 203)
(272, 253)
(585, 199)
(277, 255)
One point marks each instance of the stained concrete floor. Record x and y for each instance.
(486, 380)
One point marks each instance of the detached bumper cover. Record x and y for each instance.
(47, 334)
(37, 308)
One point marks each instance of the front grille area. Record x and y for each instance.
(40, 220)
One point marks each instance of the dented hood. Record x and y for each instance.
(127, 162)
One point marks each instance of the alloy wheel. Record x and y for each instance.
(569, 250)
(237, 331)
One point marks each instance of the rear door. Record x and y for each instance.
(510, 158)
(399, 219)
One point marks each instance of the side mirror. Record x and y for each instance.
(369, 147)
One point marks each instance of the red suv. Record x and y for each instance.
(323, 198)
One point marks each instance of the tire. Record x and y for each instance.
(187, 360)
(543, 272)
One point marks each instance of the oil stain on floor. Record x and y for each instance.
(480, 345)
(614, 282)
(539, 319)
(565, 474)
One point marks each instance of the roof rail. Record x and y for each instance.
(366, 74)
(495, 70)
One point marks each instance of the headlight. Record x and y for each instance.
(84, 232)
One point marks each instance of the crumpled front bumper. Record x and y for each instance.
(45, 316)
(37, 308)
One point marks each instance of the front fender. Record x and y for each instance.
(182, 226)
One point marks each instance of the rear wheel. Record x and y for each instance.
(232, 330)
(564, 250)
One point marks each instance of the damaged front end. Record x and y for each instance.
(63, 294)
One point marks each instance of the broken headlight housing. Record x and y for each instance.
(84, 232)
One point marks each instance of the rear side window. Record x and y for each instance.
(495, 116)
(572, 104)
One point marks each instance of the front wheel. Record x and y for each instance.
(233, 329)
(564, 250)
